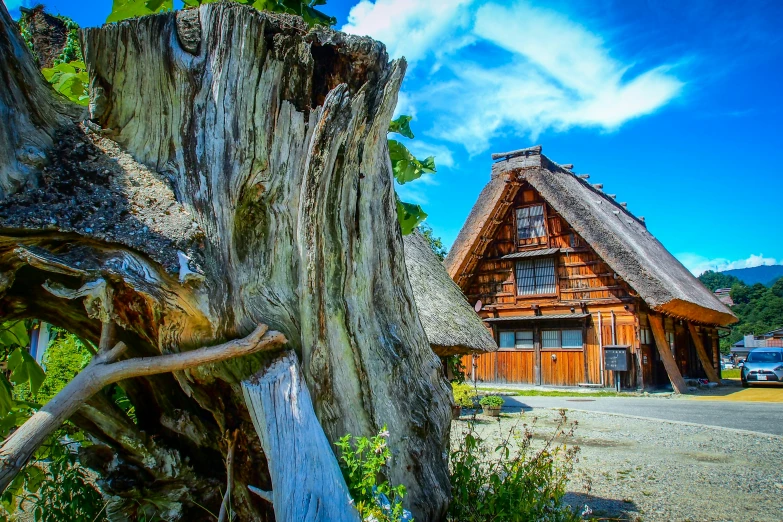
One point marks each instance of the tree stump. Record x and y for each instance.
(240, 176)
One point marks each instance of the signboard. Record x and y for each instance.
(616, 358)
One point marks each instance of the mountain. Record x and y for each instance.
(765, 275)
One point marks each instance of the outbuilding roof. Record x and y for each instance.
(617, 236)
(451, 324)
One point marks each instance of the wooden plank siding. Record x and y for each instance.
(584, 284)
(581, 274)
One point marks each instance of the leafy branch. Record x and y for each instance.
(407, 168)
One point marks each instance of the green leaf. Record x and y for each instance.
(402, 125)
(6, 397)
(14, 334)
(409, 216)
(24, 369)
(124, 9)
(406, 167)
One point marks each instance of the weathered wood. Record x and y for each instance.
(706, 361)
(659, 334)
(225, 506)
(248, 181)
(25, 101)
(519, 152)
(102, 371)
(307, 484)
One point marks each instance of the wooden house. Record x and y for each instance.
(558, 270)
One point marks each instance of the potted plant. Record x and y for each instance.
(491, 405)
(464, 397)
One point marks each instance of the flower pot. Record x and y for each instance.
(491, 411)
(456, 411)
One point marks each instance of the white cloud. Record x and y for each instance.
(497, 68)
(699, 264)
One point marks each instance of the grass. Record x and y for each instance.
(731, 374)
(554, 393)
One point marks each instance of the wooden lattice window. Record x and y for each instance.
(530, 222)
(536, 276)
(568, 338)
(522, 339)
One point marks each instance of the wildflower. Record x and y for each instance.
(384, 433)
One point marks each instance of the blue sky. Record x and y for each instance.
(673, 106)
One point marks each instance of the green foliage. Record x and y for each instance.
(24, 30)
(25, 370)
(409, 216)
(406, 168)
(758, 308)
(464, 394)
(402, 126)
(509, 480)
(492, 401)
(436, 244)
(70, 79)
(405, 165)
(72, 51)
(362, 461)
(121, 399)
(124, 9)
(64, 358)
(714, 280)
(65, 492)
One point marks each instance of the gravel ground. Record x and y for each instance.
(651, 470)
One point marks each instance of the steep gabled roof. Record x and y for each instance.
(450, 323)
(617, 236)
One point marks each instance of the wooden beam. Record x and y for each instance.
(706, 362)
(656, 325)
(518, 152)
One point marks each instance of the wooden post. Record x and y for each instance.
(656, 325)
(716, 352)
(537, 355)
(706, 362)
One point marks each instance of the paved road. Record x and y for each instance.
(758, 417)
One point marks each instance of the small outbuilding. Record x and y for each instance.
(451, 324)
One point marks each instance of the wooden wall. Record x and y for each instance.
(581, 274)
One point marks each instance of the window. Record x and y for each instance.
(645, 336)
(530, 222)
(536, 276)
(524, 339)
(518, 339)
(670, 340)
(571, 338)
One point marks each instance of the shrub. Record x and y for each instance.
(464, 395)
(511, 481)
(492, 401)
(362, 461)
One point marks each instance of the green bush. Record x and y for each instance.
(492, 401)
(511, 481)
(362, 461)
(464, 395)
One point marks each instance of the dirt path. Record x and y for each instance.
(653, 470)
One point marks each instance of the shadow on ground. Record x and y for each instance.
(603, 508)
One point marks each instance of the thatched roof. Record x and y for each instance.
(450, 323)
(620, 238)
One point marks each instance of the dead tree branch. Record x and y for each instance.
(17, 449)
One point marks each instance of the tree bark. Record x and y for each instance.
(306, 479)
(240, 176)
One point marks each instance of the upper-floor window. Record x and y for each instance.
(536, 276)
(530, 222)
